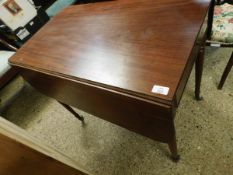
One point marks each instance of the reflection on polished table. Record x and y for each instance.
(105, 58)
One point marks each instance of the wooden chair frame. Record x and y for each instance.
(209, 30)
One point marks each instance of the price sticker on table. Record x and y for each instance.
(160, 90)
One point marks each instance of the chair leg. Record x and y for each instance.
(226, 72)
(198, 72)
(72, 111)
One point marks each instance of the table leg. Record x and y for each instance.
(173, 149)
(198, 72)
(72, 111)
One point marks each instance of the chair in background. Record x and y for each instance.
(220, 30)
(6, 72)
(57, 6)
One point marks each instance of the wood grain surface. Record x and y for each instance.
(148, 118)
(128, 46)
(23, 154)
(105, 59)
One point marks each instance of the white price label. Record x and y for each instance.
(23, 33)
(215, 45)
(160, 90)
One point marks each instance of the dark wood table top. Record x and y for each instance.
(125, 46)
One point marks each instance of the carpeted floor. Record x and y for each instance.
(204, 130)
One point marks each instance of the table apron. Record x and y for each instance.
(150, 119)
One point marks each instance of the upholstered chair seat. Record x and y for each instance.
(4, 66)
(222, 29)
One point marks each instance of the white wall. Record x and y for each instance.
(22, 18)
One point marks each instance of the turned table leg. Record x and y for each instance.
(173, 149)
(198, 72)
(72, 111)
